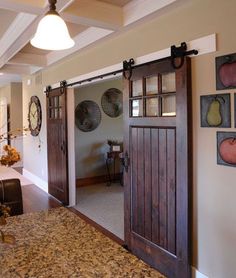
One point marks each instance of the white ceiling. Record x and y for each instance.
(88, 22)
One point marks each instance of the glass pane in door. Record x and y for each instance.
(137, 108)
(168, 82)
(152, 107)
(137, 88)
(169, 105)
(151, 85)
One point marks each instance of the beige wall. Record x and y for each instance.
(6, 93)
(35, 157)
(214, 227)
(91, 147)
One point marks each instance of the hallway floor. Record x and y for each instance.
(104, 205)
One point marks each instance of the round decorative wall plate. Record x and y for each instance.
(87, 115)
(112, 102)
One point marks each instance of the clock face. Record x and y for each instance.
(34, 116)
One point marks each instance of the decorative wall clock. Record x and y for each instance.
(35, 115)
(112, 102)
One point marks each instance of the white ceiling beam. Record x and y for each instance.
(18, 26)
(82, 40)
(137, 9)
(63, 4)
(28, 59)
(94, 13)
(16, 69)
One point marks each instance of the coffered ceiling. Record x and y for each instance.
(88, 22)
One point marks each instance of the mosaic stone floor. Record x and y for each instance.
(57, 243)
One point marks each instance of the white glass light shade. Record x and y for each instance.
(52, 34)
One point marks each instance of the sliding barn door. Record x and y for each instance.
(157, 153)
(57, 145)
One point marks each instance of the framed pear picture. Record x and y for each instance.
(215, 110)
(34, 116)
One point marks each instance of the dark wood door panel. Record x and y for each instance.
(153, 185)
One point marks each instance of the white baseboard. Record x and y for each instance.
(197, 274)
(36, 180)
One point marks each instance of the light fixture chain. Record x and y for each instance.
(52, 5)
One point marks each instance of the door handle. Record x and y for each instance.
(63, 147)
(126, 162)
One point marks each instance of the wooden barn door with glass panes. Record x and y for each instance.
(157, 162)
(57, 145)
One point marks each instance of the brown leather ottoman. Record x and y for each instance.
(11, 195)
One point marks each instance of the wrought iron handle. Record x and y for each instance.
(126, 161)
(63, 147)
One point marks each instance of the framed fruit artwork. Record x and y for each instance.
(235, 110)
(226, 148)
(226, 72)
(215, 110)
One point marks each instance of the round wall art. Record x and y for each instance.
(87, 115)
(112, 102)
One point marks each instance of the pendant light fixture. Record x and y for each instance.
(52, 32)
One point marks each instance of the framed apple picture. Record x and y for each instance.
(215, 110)
(235, 110)
(225, 72)
(226, 148)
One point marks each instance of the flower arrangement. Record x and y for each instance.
(10, 155)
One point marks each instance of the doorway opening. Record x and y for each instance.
(98, 153)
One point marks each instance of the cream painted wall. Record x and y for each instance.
(214, 188)
(35, 157)
(91, 147)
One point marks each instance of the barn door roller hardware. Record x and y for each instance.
(63, 84)
(127, 68)
(180, 52)
(48, 90)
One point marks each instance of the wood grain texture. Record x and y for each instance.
(35, 199)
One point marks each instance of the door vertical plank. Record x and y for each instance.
(171, 190)
(147, 183)
(162, 188)
(141, 192)
(155, 184)
(134, 196)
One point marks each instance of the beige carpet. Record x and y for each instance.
(58, 244)
(10, 173)
(104, 205)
